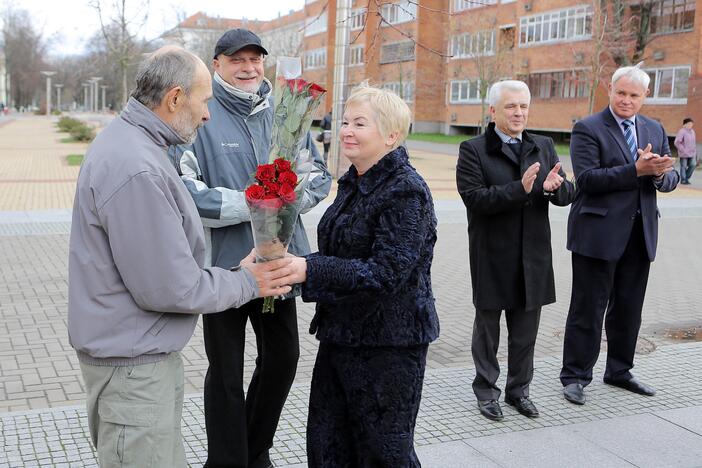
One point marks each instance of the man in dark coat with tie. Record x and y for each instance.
(506, 178)
(620, 159)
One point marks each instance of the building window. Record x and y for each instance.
(316, 58)
(403, 89)
(316, 24)
(472, 44)
(668, 85)
(556, 26)
(460, 5)
(672, 16)
(397, 52)
(559, 84)
(465, 91)
(356, 55)
(357, 18)
(401, 12)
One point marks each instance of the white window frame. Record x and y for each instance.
(407, 89)
(316, 24)
(403, 11)
(357, 19)
(315, 58)
(555, 26)
(654, 98)
(356, 55)
(463, 88)
(462, 5)
(467, 45)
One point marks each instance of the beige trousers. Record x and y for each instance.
(134, 413)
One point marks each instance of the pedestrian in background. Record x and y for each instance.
(687, 150)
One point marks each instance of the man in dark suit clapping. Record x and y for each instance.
(620, 159)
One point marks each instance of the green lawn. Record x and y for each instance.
(439, 138)
(561, 148)
(74, 159)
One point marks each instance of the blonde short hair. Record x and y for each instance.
(391, 113)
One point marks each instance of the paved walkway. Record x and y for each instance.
(41, 392)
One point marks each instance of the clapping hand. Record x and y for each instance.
(553, 179)
(652, 164)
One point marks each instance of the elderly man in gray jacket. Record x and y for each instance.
(136, 275)
(216, 169)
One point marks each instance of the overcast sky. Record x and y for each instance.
(70, 23)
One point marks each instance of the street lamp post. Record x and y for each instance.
(343, 7)
(95, 80)
(58, 87)
(103, 87)
(48, 75)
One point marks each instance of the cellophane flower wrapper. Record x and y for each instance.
(277, 190)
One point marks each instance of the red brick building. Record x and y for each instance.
(440, 55)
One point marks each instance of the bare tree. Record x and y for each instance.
(118, 27)
(25, 49)
(492, 58)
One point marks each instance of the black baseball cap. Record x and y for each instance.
(234, 40)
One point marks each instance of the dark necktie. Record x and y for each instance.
(630, 140)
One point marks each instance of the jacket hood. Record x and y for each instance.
(162, 134)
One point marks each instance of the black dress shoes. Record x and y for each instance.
(490, 409)
(524, 405)
(574, 393)
(632, 385)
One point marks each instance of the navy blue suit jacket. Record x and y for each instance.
(609, 192)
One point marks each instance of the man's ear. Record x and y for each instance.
(172, 97)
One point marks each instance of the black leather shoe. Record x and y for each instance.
(574, 393)
(633, 385)
(490, 409)
(524, 405)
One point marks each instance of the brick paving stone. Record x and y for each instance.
(448, 412)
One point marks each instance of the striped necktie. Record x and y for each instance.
(630, 140)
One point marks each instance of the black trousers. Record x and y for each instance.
(613, 290)
(522, 328)
(363, 406)
(240, 430)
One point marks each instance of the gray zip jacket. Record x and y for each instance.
(219, 165)
(137, 248)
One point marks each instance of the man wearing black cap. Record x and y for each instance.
(216, 169)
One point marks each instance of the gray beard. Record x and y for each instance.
(183, 127)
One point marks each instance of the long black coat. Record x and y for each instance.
(508, 229)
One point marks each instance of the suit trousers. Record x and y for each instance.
(363, 406)
(240, 429)
(613, 290)
(522, 328)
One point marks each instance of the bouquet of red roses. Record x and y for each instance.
(277, 190)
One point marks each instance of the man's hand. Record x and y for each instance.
(652, 164)
(273, 278)
(530, 176)
(553, 179)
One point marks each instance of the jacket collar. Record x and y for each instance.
(496, 146)
(240, 102)
(377, 174)
(137, 114)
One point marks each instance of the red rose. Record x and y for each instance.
(296, 85)
(255, 192)
(316, 90)
(282, 165)
(288, 177)
(271, 188)
(271, 201)
(265, 172)
(287, 193)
